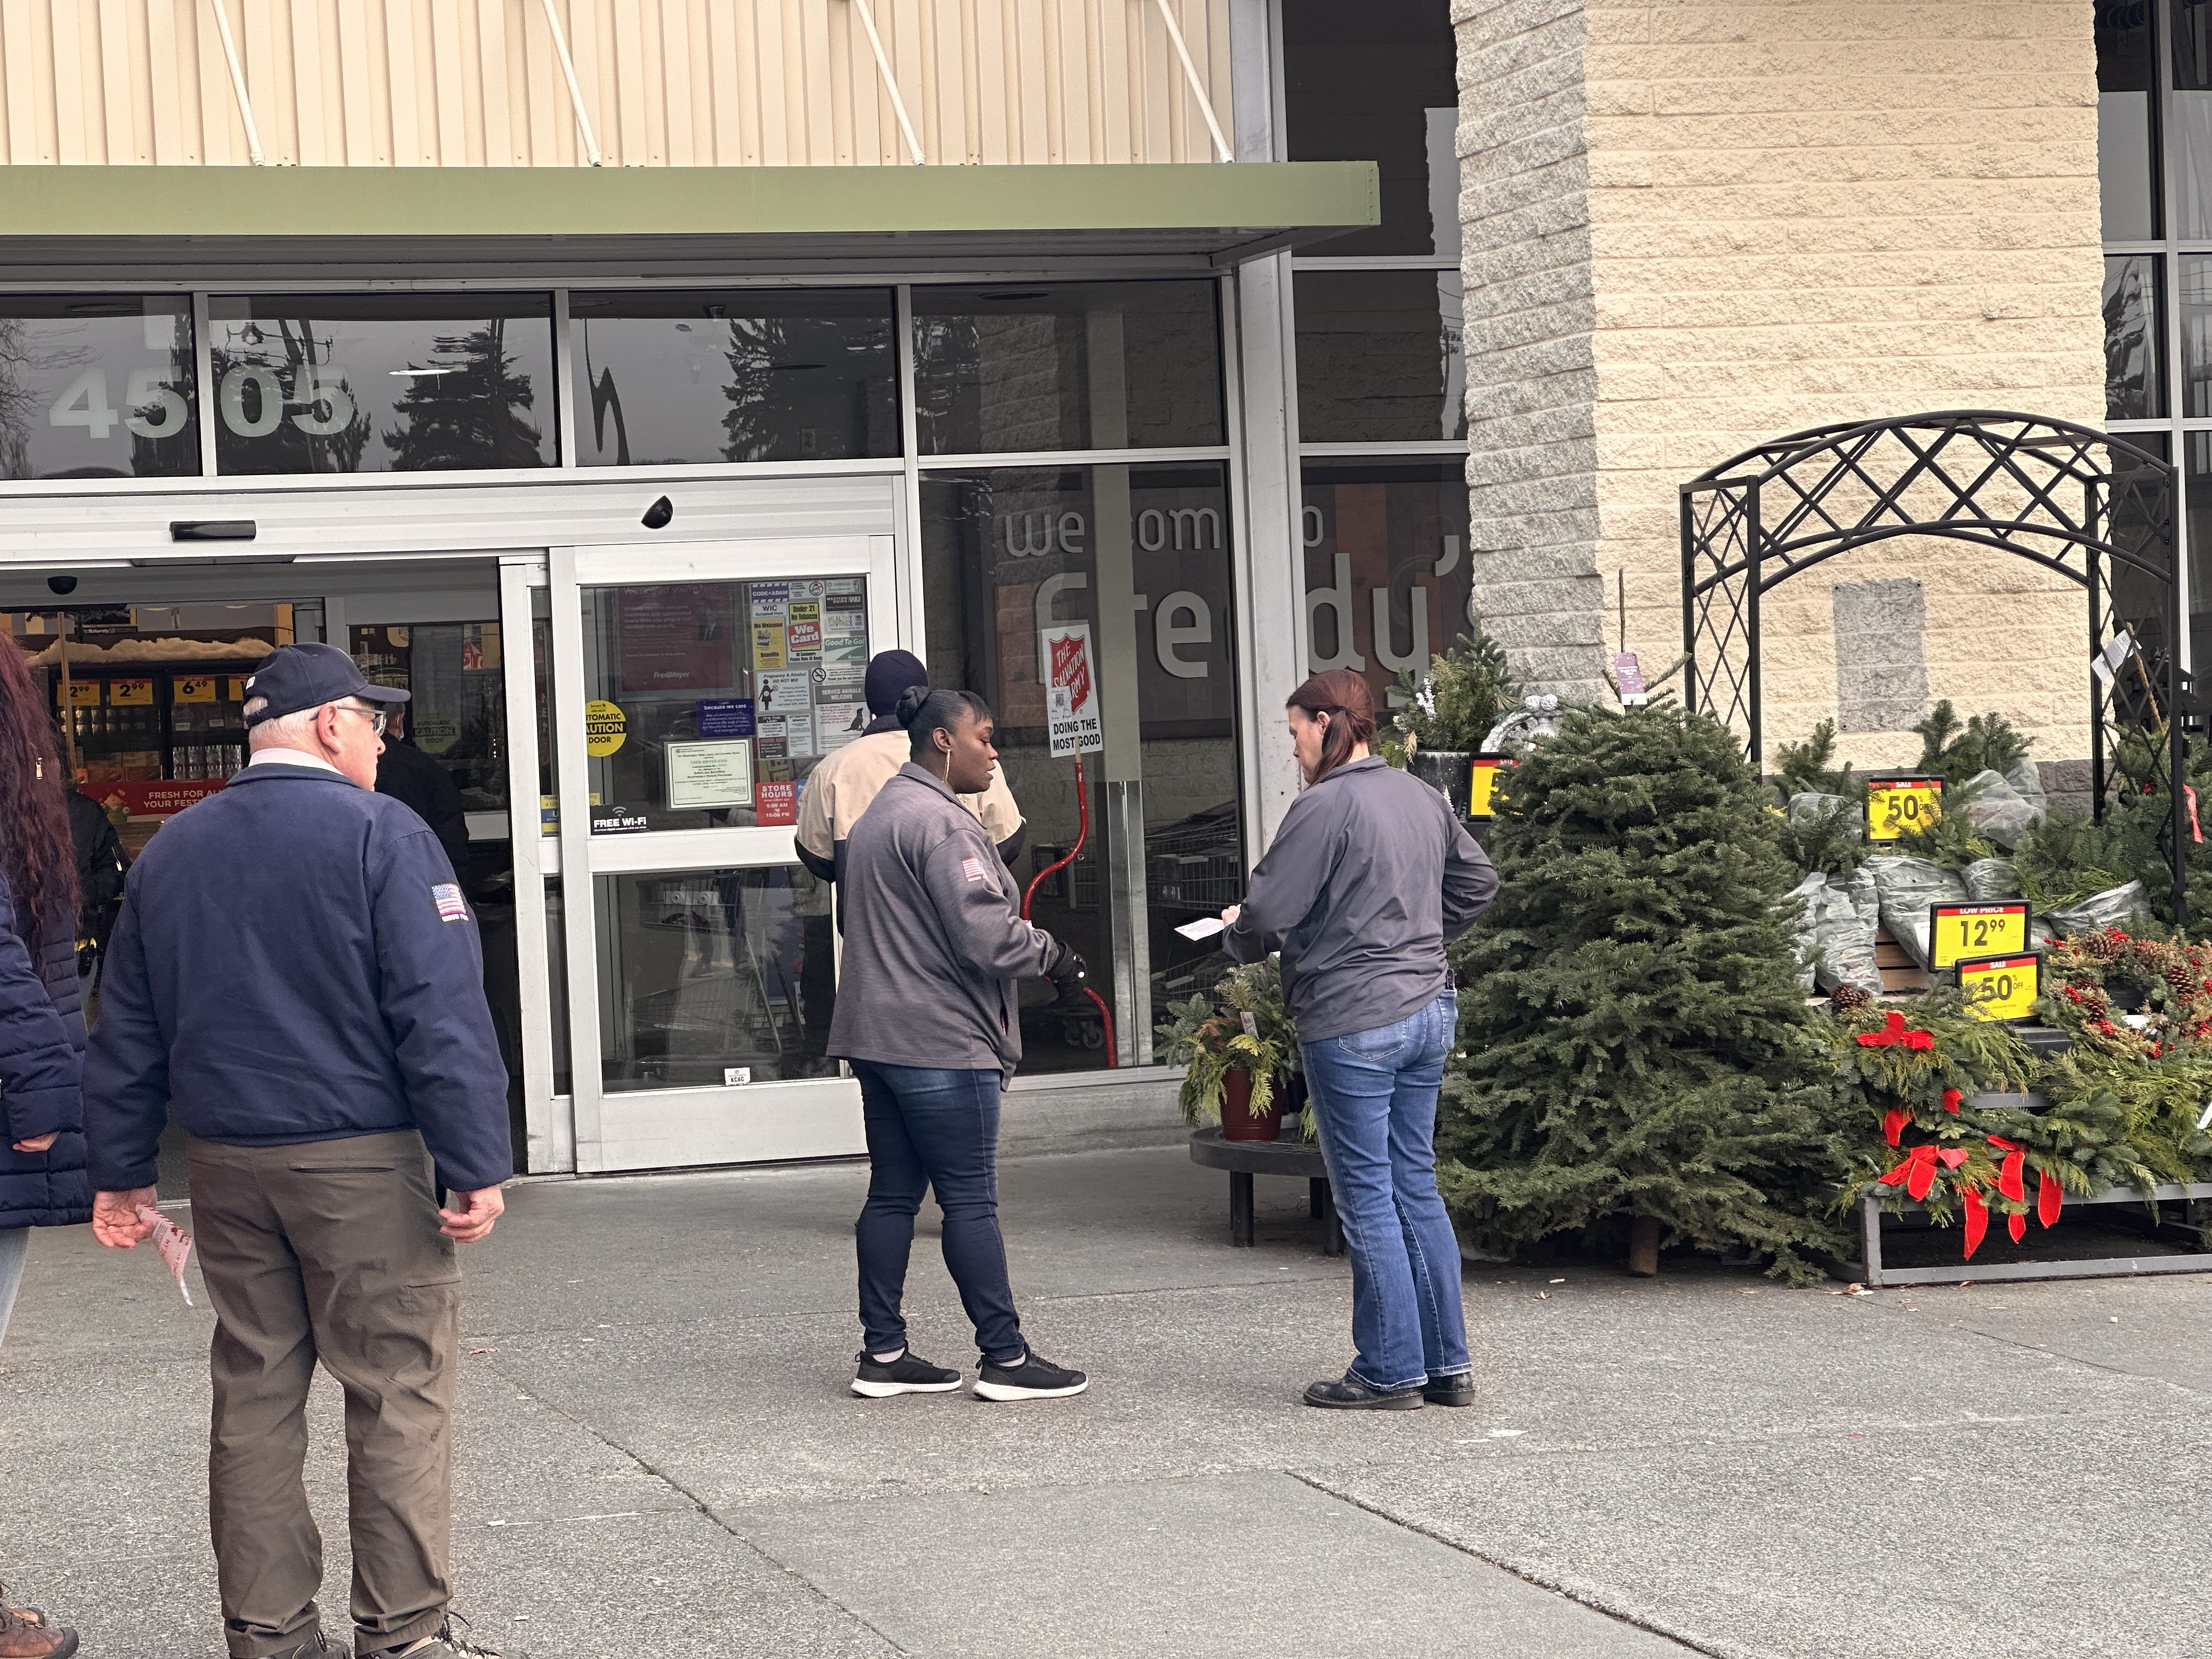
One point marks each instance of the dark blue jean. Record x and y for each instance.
(933, 1130)
(1375, 1100)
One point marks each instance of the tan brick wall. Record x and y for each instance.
(1830, 210)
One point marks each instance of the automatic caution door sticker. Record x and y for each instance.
(604, 728)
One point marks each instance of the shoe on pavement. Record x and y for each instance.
(908, 1374)
(1035, 1378)
(28, 1615)
(1450, 1388)
(447, 1643)
(318, 1646)
(1348, 1394)
(20, 1639)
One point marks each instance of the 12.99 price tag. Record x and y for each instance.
(1958, 932)
(1895, 806)
(2002, 987)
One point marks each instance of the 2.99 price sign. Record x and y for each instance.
(2002, 987)
(1958, 932)
(1897, 805)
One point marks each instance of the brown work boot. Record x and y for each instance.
(22, 1639)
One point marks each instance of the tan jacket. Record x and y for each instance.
(840, 788)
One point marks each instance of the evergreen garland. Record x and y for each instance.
(1634, 1041)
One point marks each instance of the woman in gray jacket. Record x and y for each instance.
(928, 1015)
(1369, 875)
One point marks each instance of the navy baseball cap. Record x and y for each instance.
(296, 677)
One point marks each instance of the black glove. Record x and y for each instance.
(1068, 974)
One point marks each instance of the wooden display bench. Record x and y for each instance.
(1869, 1270)
(1245, 1158)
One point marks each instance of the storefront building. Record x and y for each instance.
(618, 376)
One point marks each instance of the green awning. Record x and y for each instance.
(193, 220)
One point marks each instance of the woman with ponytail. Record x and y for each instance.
(42, 1173)
(1369, 875)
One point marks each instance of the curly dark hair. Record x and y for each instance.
(35, 849)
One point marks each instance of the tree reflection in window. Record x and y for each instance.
(463, 409)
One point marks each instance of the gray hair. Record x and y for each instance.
(293, 731)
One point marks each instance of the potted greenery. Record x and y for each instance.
(1242, 1052)
(1445, 714)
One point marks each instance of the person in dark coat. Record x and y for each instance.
(43, 1181)
(99, 868)
(406, 774)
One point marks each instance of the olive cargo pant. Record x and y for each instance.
(328, 1251)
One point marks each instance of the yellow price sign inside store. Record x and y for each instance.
(196, 688)
(2002, 987)
(1895, 806)
(1958, 932)
(130, 692)
(84, 694)
(1483, 785)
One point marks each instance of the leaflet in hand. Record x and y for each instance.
(175, 1243)
(1204, 927)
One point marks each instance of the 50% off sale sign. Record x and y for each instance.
(1898, 806)
(2000, 987)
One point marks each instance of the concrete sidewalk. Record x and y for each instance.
(658, 1453)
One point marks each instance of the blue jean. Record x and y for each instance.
(1375, 1100)
(15, 1244)
(937, 1130)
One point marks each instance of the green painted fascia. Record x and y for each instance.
(272, 202)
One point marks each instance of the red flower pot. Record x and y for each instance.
(1238, 1121)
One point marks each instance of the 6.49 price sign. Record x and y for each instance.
(1958, 932)
(1896, 805)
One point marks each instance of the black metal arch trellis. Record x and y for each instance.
(2088, 505)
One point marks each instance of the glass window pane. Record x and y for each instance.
(1142, 554)
(400, 383)
(1380, 356)
(705, 977)
(1087, 366)
(2135, 387)
(742, 375)
(2125, 93)
(97, 387)
(709, 703)
(1377, 83)
(2194, 317)
(1388, 577)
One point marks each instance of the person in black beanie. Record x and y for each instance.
(840, 789)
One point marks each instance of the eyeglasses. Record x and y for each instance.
(378, 719)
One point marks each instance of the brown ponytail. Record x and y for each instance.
(1344, 697)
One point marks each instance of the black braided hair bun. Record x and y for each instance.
(910, 704)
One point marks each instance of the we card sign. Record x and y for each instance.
(1070, 693)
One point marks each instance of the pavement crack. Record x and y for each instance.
(705, 1510)
(2076, 1359)
(1582, 1598)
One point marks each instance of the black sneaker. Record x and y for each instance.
(1035, 1378)
(447, 1643)
(318, 1646)
(1450, 1388)
(1349, 1394)
(880, 1379)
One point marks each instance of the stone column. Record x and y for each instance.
(1689, 228)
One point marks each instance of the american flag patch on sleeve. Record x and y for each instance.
(451, 905)
(972, 868)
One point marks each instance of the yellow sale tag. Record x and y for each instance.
(129, 692)
(1895, 806)
(198, 688)
(84, 694)
(2002, 987)
(1483, 785)
(1956, 932)
(234, 691)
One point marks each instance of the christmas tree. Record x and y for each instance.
(1635, 1055)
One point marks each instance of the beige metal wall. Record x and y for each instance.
(666, 82)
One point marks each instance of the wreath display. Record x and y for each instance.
(2093, 979)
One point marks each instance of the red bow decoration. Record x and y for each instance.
(2049, 1196)
(1978, 1220)
(2010, 1173)
(1917, 1172)
(1951, 1099)
(1893, 1123)
(1894, 1033)
(2016, 1224)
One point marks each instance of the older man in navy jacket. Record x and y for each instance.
(296, 978)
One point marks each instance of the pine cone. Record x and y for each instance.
(1846, 998)
(2104, 946)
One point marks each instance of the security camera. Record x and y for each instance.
(657, 516)
(61, 584)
